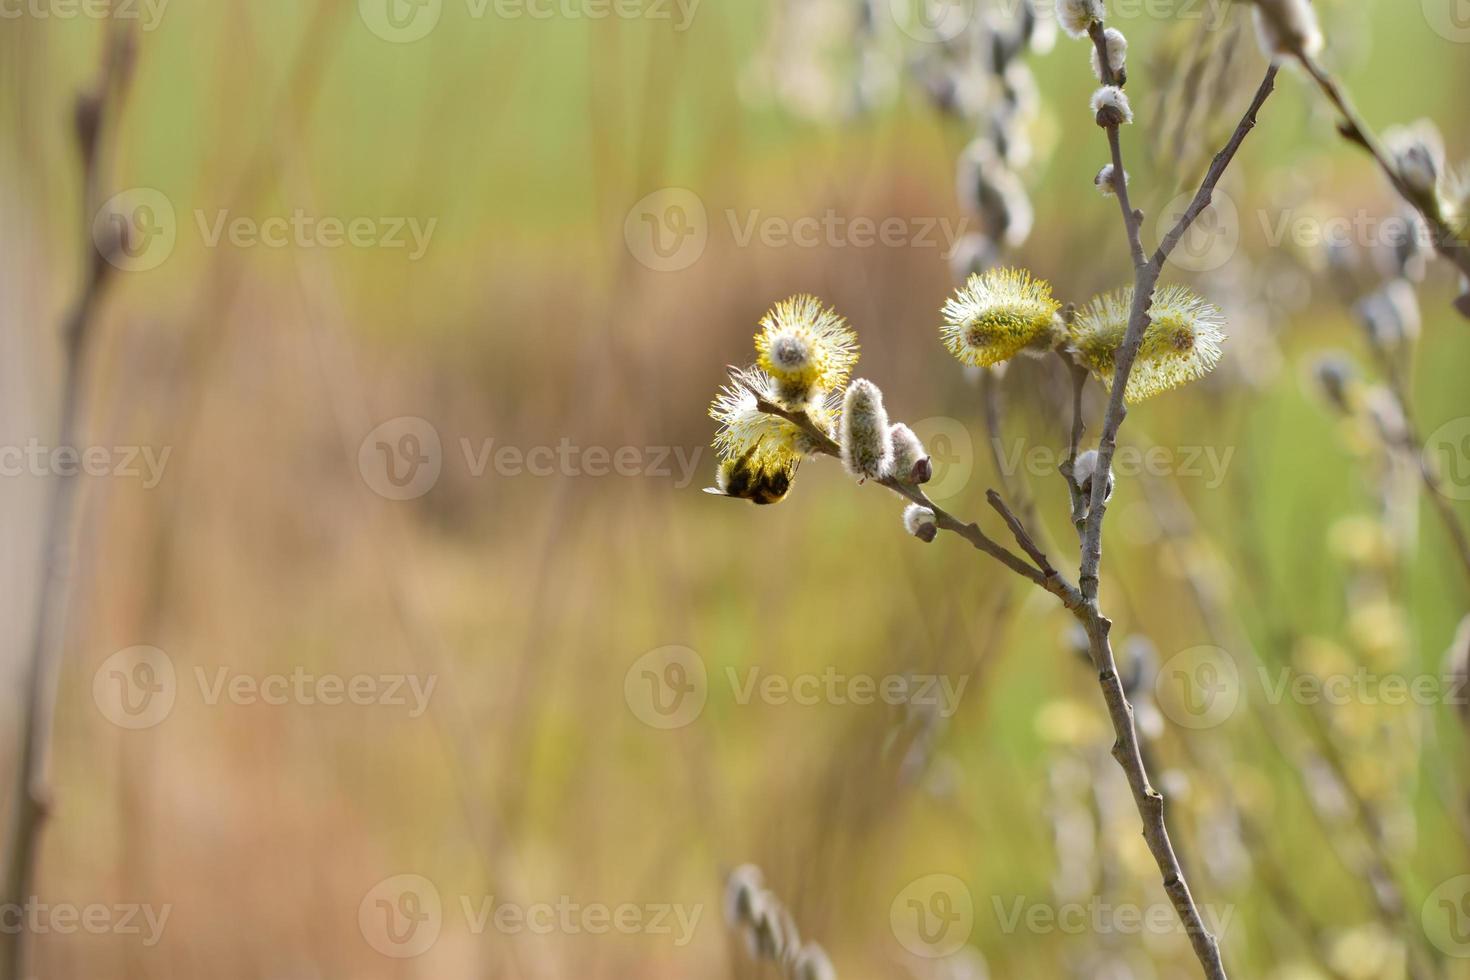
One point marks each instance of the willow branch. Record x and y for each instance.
(1355, 130)
(825, 445)
(1127, 749)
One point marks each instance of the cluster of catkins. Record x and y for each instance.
(980, 76)
(805, 355)
(768, 929)
(806, 352)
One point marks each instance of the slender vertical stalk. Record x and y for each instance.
(31, 794)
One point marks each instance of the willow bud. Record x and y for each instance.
(867, 444)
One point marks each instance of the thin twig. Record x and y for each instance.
(1355, 130)
(32, 795)
(1127, 750)
(1411, 443)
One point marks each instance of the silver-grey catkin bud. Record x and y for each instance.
(741, 887)
(1117, 46)
(812, 963)
(911, 462)
(1419, 157)
(1388, 415)
(919, 521)
(1390, 315)
(1077, 16)
(992, 192)
(1335, 377)
(972, 255)
(1085, 470)
(1110, 106)
(771, 931)
(1104, 180)
(867, 445)
(1287, 27)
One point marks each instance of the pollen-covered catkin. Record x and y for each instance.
(867, 444)
(919, 521)
(911, 462)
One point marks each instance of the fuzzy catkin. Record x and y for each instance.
(920, 522)
(1076, 16)
(867, 444)
(1110, 106)
(1287, 27)
(910, 459)
(1117, 46)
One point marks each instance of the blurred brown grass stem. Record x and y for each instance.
(95, 112)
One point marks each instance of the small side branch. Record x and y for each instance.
(1355, 130)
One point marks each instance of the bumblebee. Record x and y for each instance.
(745, 479)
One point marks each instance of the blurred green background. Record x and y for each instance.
(533, 319)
